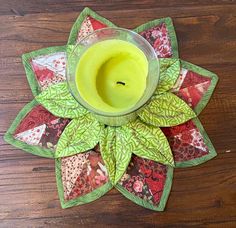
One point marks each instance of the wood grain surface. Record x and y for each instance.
(202, 196)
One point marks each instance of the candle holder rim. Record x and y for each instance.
(113, 114)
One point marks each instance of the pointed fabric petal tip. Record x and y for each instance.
(192, 115)
(169, 73)
(115, 179)
(172, 163)
(24, 57)
(114, 182)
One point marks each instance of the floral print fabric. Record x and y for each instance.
(40, 127)
(186, 141)
(145, 179)
(82, 173)
(191, 87)
(88, 26)
(158, 37)
(36, 117)
(52, 133)
(49, 69)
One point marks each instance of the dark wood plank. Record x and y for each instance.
(203, 196)
(20, 8)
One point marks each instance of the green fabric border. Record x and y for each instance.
(197, 161)
(214, 79)
(171, 31)
(8, 137)
(97, 193)
(144, 203)
(77, 25)
(29, 70)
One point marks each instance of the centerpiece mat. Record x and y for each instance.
(138, 158)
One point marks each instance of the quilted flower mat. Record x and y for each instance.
(138, 158)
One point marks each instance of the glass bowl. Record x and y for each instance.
(74, 53)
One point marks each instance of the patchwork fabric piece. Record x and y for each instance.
(192, 88)
(146, 182)
(32, 136)
(40, 127)
(83, 177)
(195, 86)
(49, 69)
(45, 67)
(36, 117)
(161, 35)
(88, 26)
(159, 39)
(52, 133)
(189, 143)
(87, 22)
(36, 130)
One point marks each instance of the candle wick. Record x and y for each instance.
(121, 83)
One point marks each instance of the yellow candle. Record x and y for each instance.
(111, 75)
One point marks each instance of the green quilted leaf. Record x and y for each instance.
(169, 73)
(148, 142)
(114, 146)
(166, 110)
(80, 135)
(58, 100)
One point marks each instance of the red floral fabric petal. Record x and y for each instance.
(191, 87)
(36, 117)
(40, 127)
(145, 179)
(159, 38)
(186, 142)
(82, 173)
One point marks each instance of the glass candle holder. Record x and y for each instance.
(74, 53)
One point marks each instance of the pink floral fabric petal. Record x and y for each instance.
(49, 69)
(189, 143)
(88, 26)
(145, 182)
(81, 178)
(86, 29)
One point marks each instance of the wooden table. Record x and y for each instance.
(201, 196)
